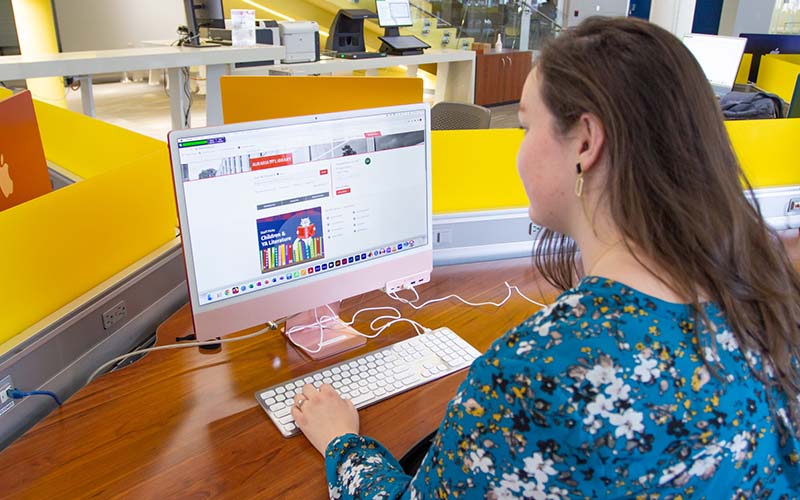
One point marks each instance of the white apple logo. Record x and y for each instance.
(6, 184)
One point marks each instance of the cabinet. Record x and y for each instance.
(500, 75)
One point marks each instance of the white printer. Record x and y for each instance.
(300, 39)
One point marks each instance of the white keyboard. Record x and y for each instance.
(375, 376)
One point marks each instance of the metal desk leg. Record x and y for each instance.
(213, 94)
(87, 95)
(179, 102)
(411, 70)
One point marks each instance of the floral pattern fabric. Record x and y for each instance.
(603, 394)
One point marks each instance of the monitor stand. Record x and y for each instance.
(336, 338)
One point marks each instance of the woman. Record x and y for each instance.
(669, 370)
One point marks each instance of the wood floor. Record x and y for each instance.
(144, 108)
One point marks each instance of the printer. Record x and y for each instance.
(300, 40)
(267, 33)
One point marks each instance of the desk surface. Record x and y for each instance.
(337, 65)
(179, 423)
(112, 61)
(183, 424)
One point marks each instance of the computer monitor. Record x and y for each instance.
(23, 167)
(719, 56)
(393, 13)
(284, 216)
(202, 14)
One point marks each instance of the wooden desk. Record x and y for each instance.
(180, 424)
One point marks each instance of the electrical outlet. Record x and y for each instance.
(794, 206)
(115, 315)
(443, 236)
(6, 403)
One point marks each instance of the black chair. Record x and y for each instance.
(459, 116)
(413, 458)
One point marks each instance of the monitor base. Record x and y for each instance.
(336, 336)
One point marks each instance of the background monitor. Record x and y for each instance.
(203, 14)
(393, 13)
(283, 216)
(719, 56)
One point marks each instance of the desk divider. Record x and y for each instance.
(84, 145)
(744, 69)
(250, 98)
(778, 74)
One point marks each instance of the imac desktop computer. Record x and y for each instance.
(285, 216)
(283, 219)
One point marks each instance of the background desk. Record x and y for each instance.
(180, 424)
(455, 70)
(218, 62)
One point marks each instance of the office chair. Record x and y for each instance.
(459, 116)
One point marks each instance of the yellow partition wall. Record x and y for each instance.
(778, 74)
(72, 239)
(767, 150)
(249, 98)
(476, 170)
(90, 147)
(744, 69)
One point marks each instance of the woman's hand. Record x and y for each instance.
(323, 415)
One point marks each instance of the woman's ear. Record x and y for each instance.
(590, 137)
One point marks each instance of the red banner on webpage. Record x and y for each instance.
(274, 161)
(372, 134)
(340, 192)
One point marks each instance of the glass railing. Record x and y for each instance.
(520, 24)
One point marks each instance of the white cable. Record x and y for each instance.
(271, 326)
(511, 289)
(321, 322)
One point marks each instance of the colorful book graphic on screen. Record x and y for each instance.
(290, 238)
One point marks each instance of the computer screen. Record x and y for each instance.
(394, 13)
(719, 56)
(203, 14)
(281, 216)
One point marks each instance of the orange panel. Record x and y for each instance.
(250, 98)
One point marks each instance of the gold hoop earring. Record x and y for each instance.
(579, 181)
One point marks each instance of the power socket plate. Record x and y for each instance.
(6, 403)
(115, 315)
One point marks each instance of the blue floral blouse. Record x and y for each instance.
(603, 394)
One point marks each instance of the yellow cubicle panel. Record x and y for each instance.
(85, 146)
(744, 69)
(476, 170)
(767, 150)
(249, 98)
(777, 73)
(71, 240)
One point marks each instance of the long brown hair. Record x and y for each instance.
(674, 186)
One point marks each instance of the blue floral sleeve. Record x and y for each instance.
(360, 467)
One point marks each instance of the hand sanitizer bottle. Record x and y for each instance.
(499, 43)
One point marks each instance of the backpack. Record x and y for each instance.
(751, 105)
